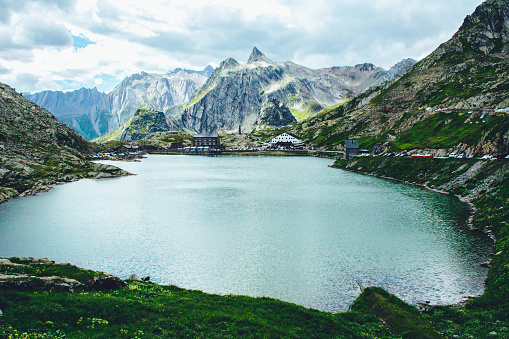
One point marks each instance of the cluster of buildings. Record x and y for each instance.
(205, 143)
(211, 143)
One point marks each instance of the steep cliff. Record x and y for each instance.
(275, 114)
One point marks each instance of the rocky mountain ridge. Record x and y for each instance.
(160, 90)
(37, 151)
(237, 100)
(67, 104)
(93, 114)
(235, 93)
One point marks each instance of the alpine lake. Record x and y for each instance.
(289, 228)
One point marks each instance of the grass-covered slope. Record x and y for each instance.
(145, 310)
(146, 122)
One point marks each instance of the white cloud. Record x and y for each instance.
(129, 36)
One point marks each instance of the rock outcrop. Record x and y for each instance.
(275, 114)
(56, 283)
(145, 122)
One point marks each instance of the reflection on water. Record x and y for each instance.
(284, 227)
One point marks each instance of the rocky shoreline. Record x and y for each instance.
(57, 283)
(96, 171)
(480, 184)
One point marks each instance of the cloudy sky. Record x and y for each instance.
(69, 44)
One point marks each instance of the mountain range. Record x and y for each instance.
(217, 100)
(235, 93)
(450, 100)
(67, 106)
(93, 114)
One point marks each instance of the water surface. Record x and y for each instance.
(284, 227)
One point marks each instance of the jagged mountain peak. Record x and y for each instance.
(258, 56)
(486, 25)
(484, 32)
(207, 71)
(366, 67)
(229, 63)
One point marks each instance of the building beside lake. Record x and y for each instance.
(287, 140)
(206, 140)
(205, 143)
(351, 148)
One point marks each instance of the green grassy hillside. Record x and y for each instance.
(147, 310)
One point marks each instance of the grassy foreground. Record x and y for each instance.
(147, 310)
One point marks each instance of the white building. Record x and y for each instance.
(286, 139)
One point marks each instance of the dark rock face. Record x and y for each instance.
(486, 30)
(108, 283)
(275, 114)
(144, 123)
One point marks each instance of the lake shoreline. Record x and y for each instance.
(458, 178)
(196, 163)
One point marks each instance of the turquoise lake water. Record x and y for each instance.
(284, 227)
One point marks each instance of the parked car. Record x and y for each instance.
(453, 155)
(487, 156)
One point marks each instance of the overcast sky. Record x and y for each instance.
(69, 44)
